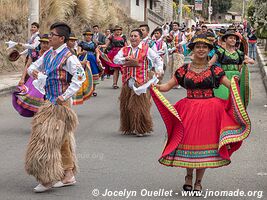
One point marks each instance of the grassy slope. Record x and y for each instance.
(237, 6)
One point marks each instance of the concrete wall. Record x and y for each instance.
(167, 10)
(137, 12)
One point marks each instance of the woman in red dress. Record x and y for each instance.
(203, 130)
(114, 43)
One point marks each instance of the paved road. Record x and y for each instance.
(111, 161)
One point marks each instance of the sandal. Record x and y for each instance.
(198, 188)
(94, 94)
(114, 86)
(187, 187)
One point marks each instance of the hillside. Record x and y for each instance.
(237, 6)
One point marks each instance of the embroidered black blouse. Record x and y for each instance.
(199, 85)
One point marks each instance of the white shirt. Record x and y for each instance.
(166, 31)
(34, 44)
(163, 51)
(73, 66)
(175, 33)
(145, 41)
(119, 59)
(164, 48)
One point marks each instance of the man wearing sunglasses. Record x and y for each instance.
(50, 155)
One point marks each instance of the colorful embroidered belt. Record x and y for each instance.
(199, 93)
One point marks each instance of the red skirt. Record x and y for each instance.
(107, 61)
(202, 133)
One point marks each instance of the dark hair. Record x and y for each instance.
(146, 26)
(62, 29)
(176, 23)
(138, 30)
(35, 24)
(210, 30)
(158, 30)
(204, 26)
(95, 26)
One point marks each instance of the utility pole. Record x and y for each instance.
(210, 11)
(33, 13)
(181, 11)
(243, 11)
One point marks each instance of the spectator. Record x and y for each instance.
(252, 42)
(204, 29)
(165, 30)
(98, 38)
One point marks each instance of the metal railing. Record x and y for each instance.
(151, 15)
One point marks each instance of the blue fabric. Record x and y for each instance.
(211, 54)
(91, 57)
(54, 85)
(252, 50)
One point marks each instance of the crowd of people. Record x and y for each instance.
(204, 129)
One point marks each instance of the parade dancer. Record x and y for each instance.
(88, 52)
(33, 44)
(219, 41)
(144, 28)
(27, 99)
(87, 89)
(179, 39)
(161, 45)
(231, 61)
(98, 37)
(72, 44)
(115, 42)
(203, 130)
(50, 153)
(146, 40)
(135, 117)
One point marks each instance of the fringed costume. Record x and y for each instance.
(135, 115)
(52, 127)
(135, 110)
(51, 148)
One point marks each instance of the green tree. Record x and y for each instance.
(257, 13)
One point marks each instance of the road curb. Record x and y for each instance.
(262, 65)
(7, 90)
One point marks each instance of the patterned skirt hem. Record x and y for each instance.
(194, 165)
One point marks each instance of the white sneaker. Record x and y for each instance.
(61, 184)
(40, 188)
(139, 135)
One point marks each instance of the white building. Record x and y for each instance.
(153, 12)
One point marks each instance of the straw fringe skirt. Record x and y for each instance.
(135, 117)
(50, 127)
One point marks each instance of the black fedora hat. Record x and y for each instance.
(13, 55)
(88, 32)
(44, 38)
(230, 33)
(73, 37)
(222, 32)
